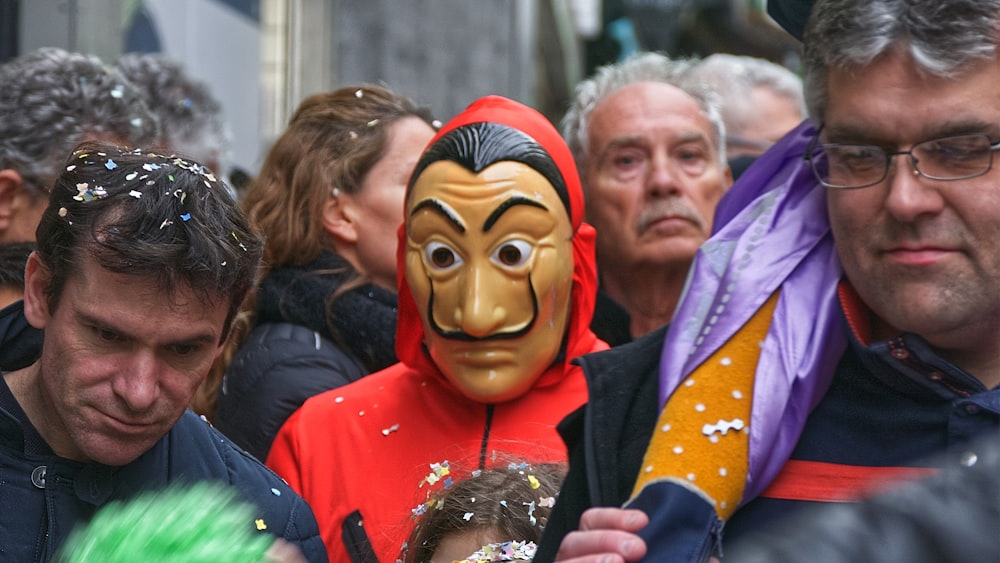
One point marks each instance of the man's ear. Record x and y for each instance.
(339, 218)
(11, 185)
(728, 177)
(37, 278)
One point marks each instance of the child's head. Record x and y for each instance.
(491, 507)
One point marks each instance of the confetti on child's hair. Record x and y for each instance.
(260, 524)
(438, 471)
(166, 223)
(533, 481)
(71, 168)
(136, 194)
(531, 512)
(373, 123)
(547, 502)
(468, 516)
(186, 217)
(354, 135)
(131, 176)
(419, 510)
(359, 93)
(506, 551)
(436, 123)
(62, 212)
(110, 164)
(118, 91)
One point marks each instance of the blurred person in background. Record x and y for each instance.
(50, 100)
(191, 121)
(328, 199)
(760, 101)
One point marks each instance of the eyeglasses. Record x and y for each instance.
(959, 157)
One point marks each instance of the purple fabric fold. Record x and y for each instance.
(772, 234)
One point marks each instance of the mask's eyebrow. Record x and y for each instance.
(506, 206)
(442, 209)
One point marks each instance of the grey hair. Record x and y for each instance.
(732, 76)
(641, 67)
(190, 117)
(943, 38)
(52, 99)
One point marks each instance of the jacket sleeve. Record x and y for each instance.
(573, 495)
(287, 515)
(276, 370)
(193, 451)
(284, 457)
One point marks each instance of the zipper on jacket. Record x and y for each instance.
(486, 436)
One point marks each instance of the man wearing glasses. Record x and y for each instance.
(842, 324)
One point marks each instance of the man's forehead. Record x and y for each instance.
(452, 180)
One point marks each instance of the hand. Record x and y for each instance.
(284, 552)
(606, 535)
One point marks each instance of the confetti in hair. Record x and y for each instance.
(200, 523)
(506, 551)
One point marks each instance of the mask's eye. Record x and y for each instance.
(512, 253)
(441, 257)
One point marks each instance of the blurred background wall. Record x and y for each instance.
(261, 57)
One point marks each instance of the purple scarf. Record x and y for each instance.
(772, 233)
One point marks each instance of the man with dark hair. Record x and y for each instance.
(841, 325)
(496, 292)
(51, 100)
(142, 263)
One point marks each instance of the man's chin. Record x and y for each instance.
(490, 385)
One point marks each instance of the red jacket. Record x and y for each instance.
(370, 446)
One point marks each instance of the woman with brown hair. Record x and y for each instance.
(328, 199)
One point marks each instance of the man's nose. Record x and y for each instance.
(662, 178)
(481, 311)
(138, 384)
(911, 195)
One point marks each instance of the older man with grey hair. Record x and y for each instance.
(649, 147)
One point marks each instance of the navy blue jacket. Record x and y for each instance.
(42, 496)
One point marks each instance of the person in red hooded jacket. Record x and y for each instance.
(497, 284)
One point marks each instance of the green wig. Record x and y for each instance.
(196, 523)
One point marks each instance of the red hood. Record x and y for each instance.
(580, 340)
